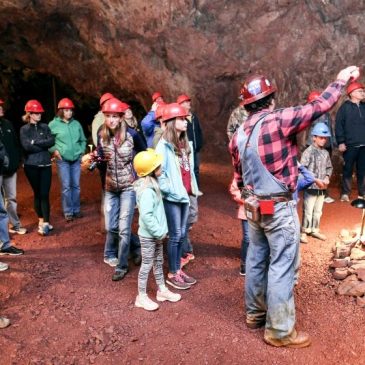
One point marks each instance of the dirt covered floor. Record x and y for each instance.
(65, 309)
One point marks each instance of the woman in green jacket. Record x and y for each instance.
(70, 144)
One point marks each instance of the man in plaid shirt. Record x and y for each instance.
(267, 164)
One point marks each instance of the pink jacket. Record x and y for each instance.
(236, 196)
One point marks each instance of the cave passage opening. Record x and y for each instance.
(17, 86)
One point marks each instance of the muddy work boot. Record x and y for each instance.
(319, 236)
(255, 322)
(295, 340)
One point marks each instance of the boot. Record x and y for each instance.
(295, 340)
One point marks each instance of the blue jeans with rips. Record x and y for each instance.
(176, 216)
(270, 267)
(69, 175)
(118, 211)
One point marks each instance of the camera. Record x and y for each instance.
(93, 166)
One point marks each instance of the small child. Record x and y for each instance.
(317, 160)
(152, 229)
(236, 195)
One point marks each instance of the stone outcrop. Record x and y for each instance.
(203, 48)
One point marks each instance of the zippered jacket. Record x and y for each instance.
(36, 139)
(70, 139)
(170, 181)
(12, 146)
(152, 219)
(350, 124)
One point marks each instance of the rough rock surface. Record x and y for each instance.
(203, 48)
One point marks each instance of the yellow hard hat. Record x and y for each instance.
(147, 161)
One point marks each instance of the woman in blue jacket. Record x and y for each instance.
(177, 182)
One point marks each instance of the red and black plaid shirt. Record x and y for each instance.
(277, 140)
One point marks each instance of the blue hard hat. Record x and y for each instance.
(321, 130)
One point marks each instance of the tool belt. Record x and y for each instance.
(257, 205)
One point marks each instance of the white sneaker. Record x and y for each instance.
(142, 301)
(328, 200)
(166, 294)
(345, 198)
(4, 322)
(113, 261)
(200, 193)
(3, 266)
(18, 230)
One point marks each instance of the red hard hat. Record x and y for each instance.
(114, 105)
(182, 98)
(125, 106)
(156, 95)
(255, 88)
(159, 110)
(33, 106)
(313, 95)
(105, 97)
(65, 103)
(354, 86)
(2, 102)
(173, 110)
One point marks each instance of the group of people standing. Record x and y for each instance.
(165, 193)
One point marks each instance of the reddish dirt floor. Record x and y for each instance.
(65, 309)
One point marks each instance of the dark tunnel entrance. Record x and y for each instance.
(17, 86)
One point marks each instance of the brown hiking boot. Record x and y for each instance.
(295, 340)
(256, 323)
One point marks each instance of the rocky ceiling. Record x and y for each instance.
(200, 47)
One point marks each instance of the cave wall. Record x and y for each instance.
(200, 47)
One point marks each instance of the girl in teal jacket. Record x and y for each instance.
(70, 144)
(177, 182)
(152, 229)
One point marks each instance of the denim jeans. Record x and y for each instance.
(118, 211)
(69, 175)
(4, 221)
(270, 266)
(312, 212)
(8, 184)
(177, 216)
(245, 241)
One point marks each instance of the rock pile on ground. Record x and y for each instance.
(348, 265)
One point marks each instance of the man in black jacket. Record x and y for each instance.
(8, 180)
(195, 134)
(350, 136)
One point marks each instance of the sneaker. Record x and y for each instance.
(184, 261)
(43, 229)
(111, 261)
(177, 282)
(345, 198)
(328, 200)
(163, 295)
(319, 235)
(361, 197)
(243, 270)
(4, 322)
(69, 217)
(12, 251)
(18, 230)
(78, 215)
(119, 275)
(3, 266)
(199, 193)
(188, 279)
(143, 301)
(190, 256)
(303, 238)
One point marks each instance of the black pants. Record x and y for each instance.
(354, 156)
(40, 180)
